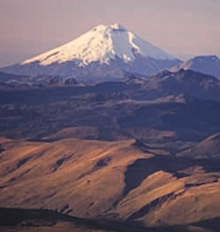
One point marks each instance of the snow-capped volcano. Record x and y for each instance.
(102, 44)
(104, 51)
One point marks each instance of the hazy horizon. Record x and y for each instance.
(184, 28)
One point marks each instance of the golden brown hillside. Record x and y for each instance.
(113, 180)
(85, 178)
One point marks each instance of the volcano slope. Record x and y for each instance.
(116, 181)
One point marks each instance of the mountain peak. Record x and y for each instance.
(105, 50)
(113, 27)
(214, 57)
(117, 27)
(102, 44)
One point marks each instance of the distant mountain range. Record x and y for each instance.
(185, 82)
(186, 102)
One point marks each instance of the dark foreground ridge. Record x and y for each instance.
(19, 219)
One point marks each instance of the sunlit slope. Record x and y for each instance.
(114, 180)
(82, 177)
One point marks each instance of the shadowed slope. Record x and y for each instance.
(208, 148)
(35, 220)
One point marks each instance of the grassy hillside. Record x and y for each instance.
(117, 181)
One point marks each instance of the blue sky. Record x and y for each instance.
(181, 27)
